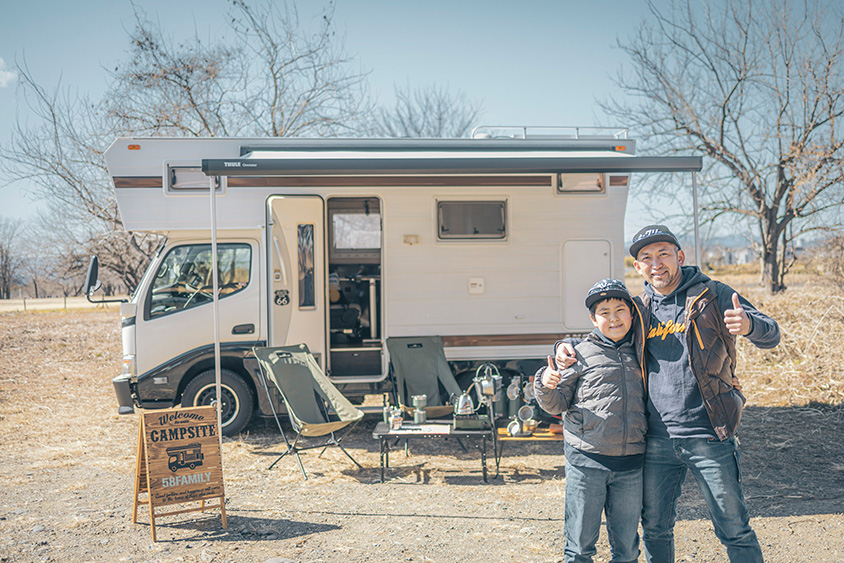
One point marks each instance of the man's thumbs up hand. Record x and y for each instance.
(736, 319)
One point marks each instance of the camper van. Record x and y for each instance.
(489, 242)
(179, 457)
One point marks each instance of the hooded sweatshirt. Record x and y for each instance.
(675, 405)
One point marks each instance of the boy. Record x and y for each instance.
(603, 396)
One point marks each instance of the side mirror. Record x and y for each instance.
(92, 283)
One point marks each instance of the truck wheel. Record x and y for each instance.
(236, 408)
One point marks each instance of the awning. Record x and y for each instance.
(491, 164)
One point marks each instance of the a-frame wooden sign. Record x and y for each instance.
(179, 462)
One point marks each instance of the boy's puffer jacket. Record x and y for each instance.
(603, 396)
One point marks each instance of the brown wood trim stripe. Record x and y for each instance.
(351, 181)
(506, 339)
(138, 182)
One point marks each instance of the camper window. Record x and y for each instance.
(306, 266)
(581, 183)
(354, 231)
(184, 278)
(190, 178)
(471, 219)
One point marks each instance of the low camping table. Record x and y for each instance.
(430, 429)
(538, 435)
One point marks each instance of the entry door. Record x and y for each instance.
(296, 247)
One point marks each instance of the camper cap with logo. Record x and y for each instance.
(650, 235)
(607, 288)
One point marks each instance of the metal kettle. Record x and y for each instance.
(464, 404)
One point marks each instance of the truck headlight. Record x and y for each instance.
(129, 365)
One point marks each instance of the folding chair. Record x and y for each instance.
(315, 406)
(421, 369)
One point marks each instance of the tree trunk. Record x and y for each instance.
(771, 267)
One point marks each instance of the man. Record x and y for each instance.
(693, 406)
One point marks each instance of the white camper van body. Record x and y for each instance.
(340, 243)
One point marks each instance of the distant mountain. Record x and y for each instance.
(730, 241)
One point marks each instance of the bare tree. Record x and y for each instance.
(36, 269)
(427, 111)
(62, 158)
(64, 248)
(273, 77)
(758, 87)
(11, 258)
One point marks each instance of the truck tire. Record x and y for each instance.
(236, 409)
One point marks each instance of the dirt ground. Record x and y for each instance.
(67, 469)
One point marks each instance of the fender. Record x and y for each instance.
(162, 386)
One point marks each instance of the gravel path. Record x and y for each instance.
(67, 470)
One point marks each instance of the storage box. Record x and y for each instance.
(355, 361)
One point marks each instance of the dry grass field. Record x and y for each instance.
(67, 463)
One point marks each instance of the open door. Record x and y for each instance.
(296, 246)
(354, 289)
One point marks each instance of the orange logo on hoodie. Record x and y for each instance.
(662, 330)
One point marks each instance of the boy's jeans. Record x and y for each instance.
(717, 469)
(588, 493)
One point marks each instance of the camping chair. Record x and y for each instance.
(315, 406)
(421, 369)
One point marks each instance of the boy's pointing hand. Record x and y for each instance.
(736, 319)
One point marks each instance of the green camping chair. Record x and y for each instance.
(315, 406)
(421, 369)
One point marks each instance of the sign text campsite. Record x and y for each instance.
(179, 462)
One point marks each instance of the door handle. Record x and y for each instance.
(280, 262)
(244, 329)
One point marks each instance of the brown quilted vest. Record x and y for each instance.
(712, 354)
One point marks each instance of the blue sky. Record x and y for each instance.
(537, 62)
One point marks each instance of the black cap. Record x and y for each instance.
(606, 289)
(650, 235)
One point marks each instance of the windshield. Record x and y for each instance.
(134, 297)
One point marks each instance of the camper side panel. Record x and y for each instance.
(484, 287)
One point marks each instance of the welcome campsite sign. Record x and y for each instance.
(179, 461)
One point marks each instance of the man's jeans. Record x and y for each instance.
(589, 492)
(717, 469)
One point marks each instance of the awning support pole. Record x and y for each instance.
(697, 224)
(215, 282)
